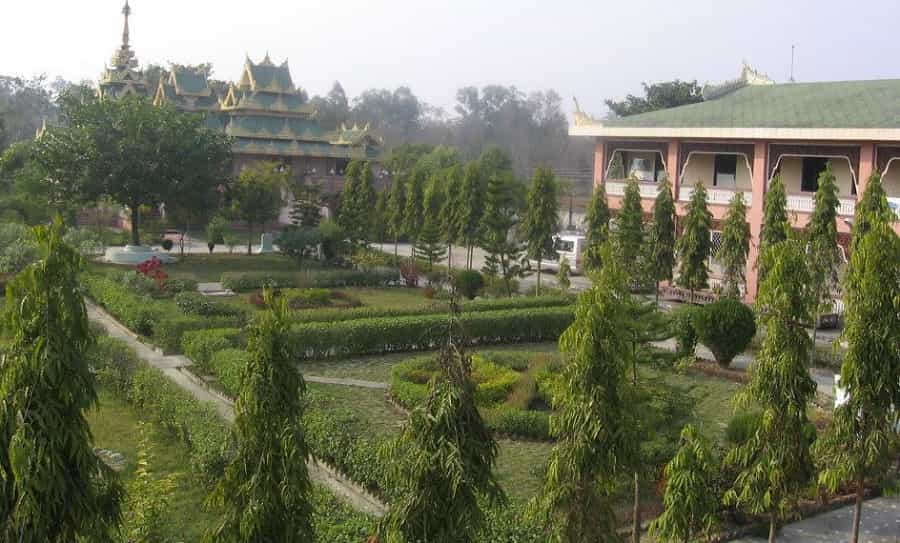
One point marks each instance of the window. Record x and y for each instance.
(564, 246)
(725, 171)
(642, 168)
(812, 167)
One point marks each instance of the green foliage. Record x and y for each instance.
(247, 281)
(661, 95)
(306, 210)
(256, 195)
(194, 303)
(148, 497)
(690, 507)
(451, 208)
(694, 244)
(726, 327)
(682, 327)
(54, 488)
(597, 226)
(356, 215)
(169, 331)
(174, 286)
(775, 227)
(662, 235)
(227, 365)
(412, 333)
(541, 223)
(300, 243)
(201, 345)
(872, 208)
(629, 235)
(592, 428)
(500, 218)
(742, 426)
(774, 465)
(562, 276)
(265, 492)
(821, 235)
(429, 243)
(396, 206)
(17, 247)
(468, 282)
(735, 246)
(471, 206)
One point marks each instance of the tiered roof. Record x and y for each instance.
(123, 77)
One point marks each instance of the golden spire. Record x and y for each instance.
(126, 11)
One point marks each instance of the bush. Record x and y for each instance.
(247, 281)
(174, 286)
(409, 271)
(496, 287)
(726, 327)
(201, 345)
(167, 244)
(167, 333)
(468, 283)
(194, 303)
(408, 333)
(493, 382)
(227, 366)
(140, 313)
(742, 426)
(682, 328)
(308, 297)
(519, 422)
(17, 248)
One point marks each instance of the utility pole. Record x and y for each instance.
(792, 63)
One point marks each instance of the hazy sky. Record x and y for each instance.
(589, 49)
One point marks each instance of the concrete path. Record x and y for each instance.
(170, 366)
(346, 382)
(880, 524)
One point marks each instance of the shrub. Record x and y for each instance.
(493, 382)
(726, 327)
(168, 332)
(742, 426)
(468, 282)
(682, 328)
(87, 241)
(138, 312)
(308, 297)
(496, 287)
(17, 248)
(519, 422)
(227, 366)
(247, 281)
(194, 303)
(139, 283)
(201, 345)
(174, 286)
(167, 244)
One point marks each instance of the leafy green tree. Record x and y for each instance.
(357, 215)
(501, 216)
(379, 218)
(442, 461)
(862, 442)
(55, 489)
(822, 249)
(431, 247)
(597, 227)
(872, 207)
(299, 242)
(148, 498)
(541, 223)
(265, 492)
(690, 506)
(413, 213)
(306, 209)
(256, 196)
(396, 206)
(629, 238)
(593, 425)
(133, 152)
(661, 95)
(471, 208)
(24, 193)
(451, 228)
(662, 237)
(775, 227)
(694, 244)
(775, 464)
(735, 246)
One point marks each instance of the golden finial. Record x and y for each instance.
(126, 11)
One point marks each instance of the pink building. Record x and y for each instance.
(744, 133)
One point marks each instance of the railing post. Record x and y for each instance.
(599, 161)
(755, 217)
(673, 167)
(866, 167)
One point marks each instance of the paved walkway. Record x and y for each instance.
(880, 524)
(346, 382)
(170, 366)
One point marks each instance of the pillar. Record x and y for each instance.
(755, 217)
(599, 161)
(866, 167)
(674, 168)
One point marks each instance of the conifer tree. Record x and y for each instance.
(862, 441)
(54, 488)
(471, 208)
(379, 218)
(690, 506)
(775, 226)
(735, 246)
(349, 213)
(775, 463)
(365, 199)
(597, 227)
(442, 461)
(662, 237)
(430, 245)
(630, 230)
(823, 252)
(413, 213)
(504, 252)
(265, 492)
(694, 245)
(593, 424)
(396, 208)
(305, 211)
(872, 207)
(541, 218)
(451, 230)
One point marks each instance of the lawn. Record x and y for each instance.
(206, 268)
(520, 467)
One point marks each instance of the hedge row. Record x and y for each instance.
(336, 314)
(194, 303)
(201, 345)
(194, 423)
(227, 365)
(169, 332)
(246, 281)
(415, 333)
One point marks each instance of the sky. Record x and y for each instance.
(591, 50)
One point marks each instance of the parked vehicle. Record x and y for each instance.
(568, 245)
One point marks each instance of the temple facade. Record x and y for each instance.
(744, 133)
(268, 117)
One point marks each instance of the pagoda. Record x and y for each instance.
(122, 77)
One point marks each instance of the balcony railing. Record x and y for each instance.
(807, 204)
(847, 207)
(617, 188)
(715, 196)
(894, 204)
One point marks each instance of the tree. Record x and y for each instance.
(597, 227)
(451, 209)
(735, 246)
(379, 218)
(431, 246)
(694, 245)
(662, 95)
(442, 461)
(357, 199)
(562, 276)
(630, 230)
(471, 208)
(133, 152)
(148, 498)
(862, 440)
(775, 227)
(662, 237)
(306, 209)
(593, 423)
(690, 506)
(256, 196)
(413, 215)
(265, 492)
(299, 242)
(504, 252)
(872, 207)
(775, 463)
(822, 246)
(394, 212)
(55, 489)
(541, 223)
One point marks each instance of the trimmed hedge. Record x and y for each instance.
(246, 281)
(519, 422)
(138, 312)
(168, 332)
(227, 365)
(726, 327)
(416, 333)
(194, 303)
(201, 345)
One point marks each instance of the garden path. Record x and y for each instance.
(170, 366)
(346, 382)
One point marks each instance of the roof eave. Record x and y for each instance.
(742, 133)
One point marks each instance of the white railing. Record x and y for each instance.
(649, 191)
(847, 207)
(895, 205)
(715, 196)
(615, 188)
(803, 204)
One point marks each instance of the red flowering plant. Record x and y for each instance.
(153, 269)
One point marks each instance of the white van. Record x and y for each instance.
(570, 246)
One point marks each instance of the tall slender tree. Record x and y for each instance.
(662, 237)
(54, 488)
(413, 213)
(379, 218)
(265, 492)
(872, 207)
(775, 227)
(451, 226)
(735, 246)
(862, 440)
(471, 209)
(822, 247)
(629, 236)
(694, 244)
(396, 208)
(593, 427)
(596, 227)
(775, 463)
(541, 218)
(357, 213)
(501, 216)
(430, 245)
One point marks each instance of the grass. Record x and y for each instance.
(207, 268)
(520, 467)
(116, 426)
(378, 418)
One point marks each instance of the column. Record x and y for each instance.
(599, 161)
(866, 167)
(755, 217)
(674, 168)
